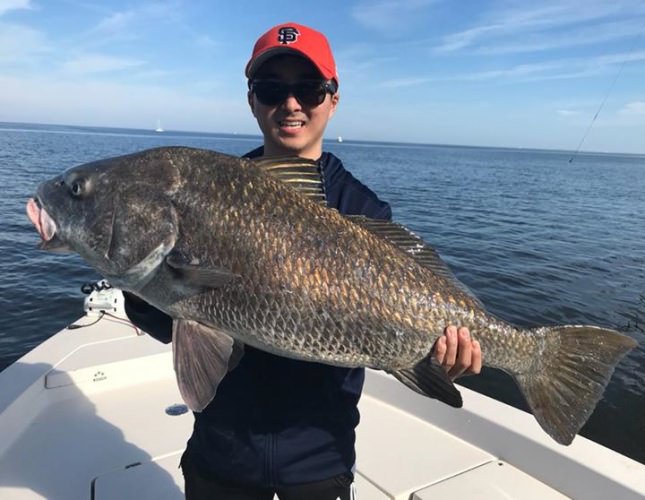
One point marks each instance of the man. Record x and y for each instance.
(279, 425)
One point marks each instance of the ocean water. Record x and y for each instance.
(539, 239)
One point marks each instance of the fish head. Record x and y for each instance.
(117, 214)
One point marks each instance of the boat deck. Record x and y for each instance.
(83, 416)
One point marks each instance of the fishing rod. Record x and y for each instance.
(602, 103)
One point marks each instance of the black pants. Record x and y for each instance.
(203, 488)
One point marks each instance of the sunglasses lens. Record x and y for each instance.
(273, 93)
(309, 93)
(270, 93)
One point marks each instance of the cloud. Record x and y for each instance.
(378, 14)
(557, 69)
(522, 72)
(633, 108)
(538, 27)
(99, 63)
(584, 36)
(143, 22)
(567, 112)
(463, 39)
(408, 82)
(20, 44)
(73, 101)
(613, 59)
(8, 5)
(127, 25)
(115, 23)
(205, 42)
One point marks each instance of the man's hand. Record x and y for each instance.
(457, 352)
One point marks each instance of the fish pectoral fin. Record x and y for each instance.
(199, 275)
(202, 357)
(429, 378)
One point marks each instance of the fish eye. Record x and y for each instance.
(77, 187)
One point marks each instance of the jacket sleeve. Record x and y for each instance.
(148, 318)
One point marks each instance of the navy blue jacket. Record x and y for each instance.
(278, 421)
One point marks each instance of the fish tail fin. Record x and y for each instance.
(429, 378)
(571, 377)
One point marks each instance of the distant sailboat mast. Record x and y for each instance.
(159, 128)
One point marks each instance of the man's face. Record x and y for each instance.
(291, 127)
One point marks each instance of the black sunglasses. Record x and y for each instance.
(308, 92)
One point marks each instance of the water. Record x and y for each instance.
(538, 239)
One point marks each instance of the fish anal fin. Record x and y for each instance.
(301, 174)
(563, 392)
(202, 357)
(430, 379)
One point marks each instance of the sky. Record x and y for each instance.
(501, 73)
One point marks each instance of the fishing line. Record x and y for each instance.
(611, 87)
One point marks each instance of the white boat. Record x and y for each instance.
(159, 128)
(94, 413)
(339, 139)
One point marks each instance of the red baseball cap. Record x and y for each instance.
(294, 38)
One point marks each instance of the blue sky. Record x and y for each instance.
(490, 73)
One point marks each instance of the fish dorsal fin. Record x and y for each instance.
(301, 174)
(407, 241)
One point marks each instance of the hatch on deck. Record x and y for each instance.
(158, 479)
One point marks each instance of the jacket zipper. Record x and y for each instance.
(269, 461)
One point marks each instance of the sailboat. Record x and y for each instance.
(159, 128)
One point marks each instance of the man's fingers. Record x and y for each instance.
(476, 367)
(463, 361)
(452, 344)
(457, 352)
(439, 351)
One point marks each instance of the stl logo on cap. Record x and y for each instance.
(287, 34)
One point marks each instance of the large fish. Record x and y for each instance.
(242, 252)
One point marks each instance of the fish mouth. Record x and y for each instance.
(46, 227)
